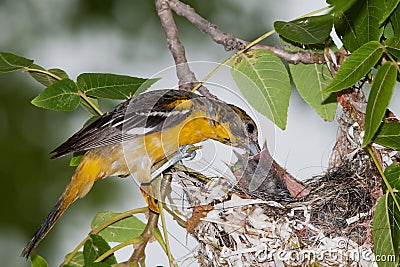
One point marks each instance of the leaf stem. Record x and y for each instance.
(108, 253)
(48, 73)
(226, 61)
(315, 12)
(175, 216)
(90, 103)
(101, 227)
(394, 62)
(378, 166)
(157, 235)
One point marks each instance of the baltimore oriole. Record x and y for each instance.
(140, 132)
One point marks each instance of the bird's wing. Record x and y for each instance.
(135, 117)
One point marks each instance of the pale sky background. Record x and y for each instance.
(303, 148)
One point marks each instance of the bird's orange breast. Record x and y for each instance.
(193, 130)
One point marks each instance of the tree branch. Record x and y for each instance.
(231, 42)
(228, 40)
(304, 57)
(187, 79)
(185, 75)
(138, 255)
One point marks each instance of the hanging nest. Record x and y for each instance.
(330, 226)
(268, 218)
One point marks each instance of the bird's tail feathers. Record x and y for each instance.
(45, 227)
(88, 171)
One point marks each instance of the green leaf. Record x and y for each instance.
(264, 82)
(61, 95)
(37, 261)
(360, 24)
(102, 247)
(77, 260)
(46, 79)
(379, 99)
(112, 86)
(76, 158)
(340, 5)
(119, 231)
(309, 30)
(344, 27)
(11, 62)
(388, 32)
(392, 174)
(389, 135)
(395, 20)
(390, 6)
(90, 253)
(95, 247)
(392, 45)
(356, 66)
(385, 230)
(310, 80)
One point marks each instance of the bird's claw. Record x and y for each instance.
(187, 152)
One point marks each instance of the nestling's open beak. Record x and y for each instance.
(254, 148)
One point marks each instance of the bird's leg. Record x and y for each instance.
(186, 152)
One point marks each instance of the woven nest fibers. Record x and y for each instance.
(328, 222)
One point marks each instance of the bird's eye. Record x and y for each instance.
(250, 127)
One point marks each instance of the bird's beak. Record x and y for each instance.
(254, 148)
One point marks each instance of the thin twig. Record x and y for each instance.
(186, 77)
(238, 53)
(175, 216)
(161, 197)
(108, 253)
(231, 42)
(305, 57)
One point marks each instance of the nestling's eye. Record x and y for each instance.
(250, 127)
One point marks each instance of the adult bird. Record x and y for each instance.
(140, 132)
